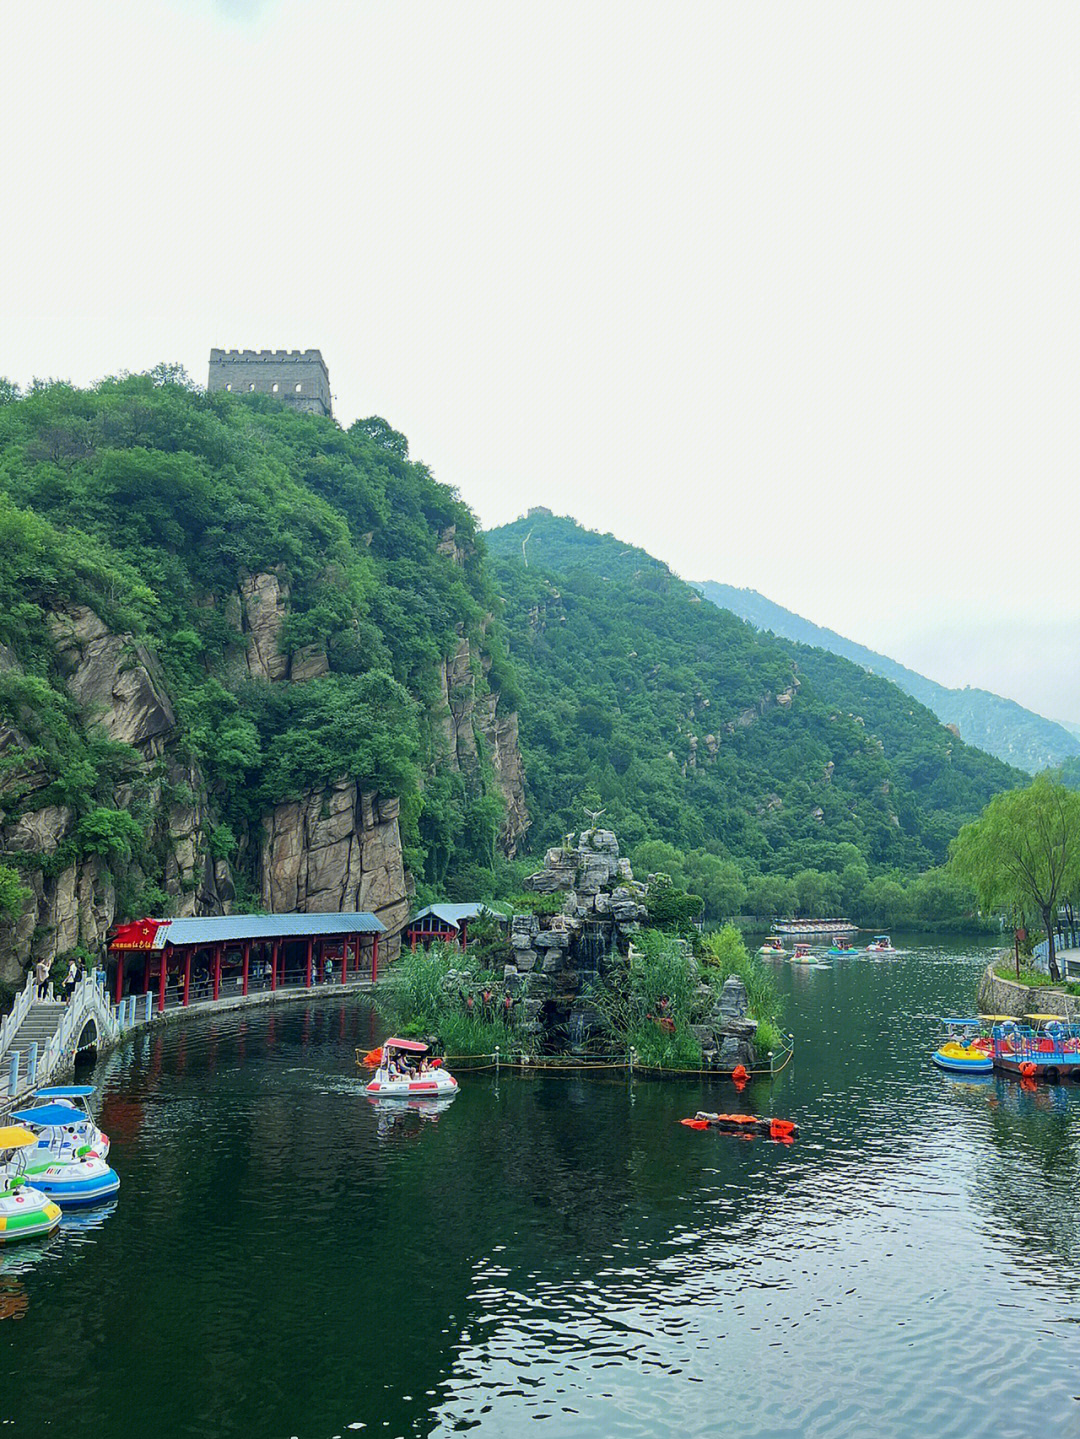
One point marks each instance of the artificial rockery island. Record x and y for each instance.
(589, 973)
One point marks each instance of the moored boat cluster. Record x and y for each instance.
(52, 1157)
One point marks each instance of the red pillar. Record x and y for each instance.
(187, 976)
(247, 963)
(162, 981)
(307, 971)
(119, 975)
(146, 975)
(217, 970)
(356, 955)
(344, 957)
(374, 956)
(273, 966)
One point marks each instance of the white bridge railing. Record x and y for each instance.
(88, 1001)
(9, 1025)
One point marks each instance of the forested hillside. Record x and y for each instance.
(220, 621)
(999, 726)
(697, 730)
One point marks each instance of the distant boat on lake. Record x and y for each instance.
(802, 928)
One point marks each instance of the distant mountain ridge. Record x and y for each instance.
(999, 726)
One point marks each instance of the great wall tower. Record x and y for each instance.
(298, 378)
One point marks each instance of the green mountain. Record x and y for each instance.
(243, 655)
(999, 726)
(694, 728)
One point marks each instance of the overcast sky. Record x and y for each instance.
(786, 293)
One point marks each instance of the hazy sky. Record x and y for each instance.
(786, 293)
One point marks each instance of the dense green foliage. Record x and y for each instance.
(1022, 855)
(151, 503)
(451, 996)
(697, 731)
(652, 1004)
(999, 726)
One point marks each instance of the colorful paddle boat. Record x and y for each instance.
(59, 1165)
(880, 944)
(773, 947)
(25, 1212)
(961, 1052)
(840, 946)
(405, 1070)
(77, 1098)
(802, 955)
(1047, 1048)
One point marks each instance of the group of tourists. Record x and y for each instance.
(76, 971)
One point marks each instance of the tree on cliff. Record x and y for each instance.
(12, 893)
(1023, 853)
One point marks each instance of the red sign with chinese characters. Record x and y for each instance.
(140, 934)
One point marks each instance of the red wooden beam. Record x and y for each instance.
(273, 966)
(247, 965)
(187, 976)
(374, 957)
(217, 970)
(307, 968)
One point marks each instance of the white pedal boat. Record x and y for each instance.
(60, 1166)
(25, 1212)
(404, 1073)
(75, 1097)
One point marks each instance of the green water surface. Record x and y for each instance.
(559, 1256)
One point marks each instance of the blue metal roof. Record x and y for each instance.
(65, 1091)
(228, 928)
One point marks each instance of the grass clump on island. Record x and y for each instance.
(438, 994)
(666, 989)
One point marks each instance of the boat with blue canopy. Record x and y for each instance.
(59, 1164)
(77, 1098)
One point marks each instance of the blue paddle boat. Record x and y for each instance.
(76, 1097)
(62, 1167)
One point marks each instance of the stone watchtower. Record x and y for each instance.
(298, 378)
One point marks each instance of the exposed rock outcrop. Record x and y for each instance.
(338, 848)
(111, 677)
(461, 716)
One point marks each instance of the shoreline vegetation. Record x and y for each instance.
(655, 1001)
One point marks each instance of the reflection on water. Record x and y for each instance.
(559, 1250)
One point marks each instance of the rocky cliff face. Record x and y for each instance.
(338, 848)
(462, 716)
(334, 848)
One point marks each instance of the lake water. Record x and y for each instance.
(559, 1256)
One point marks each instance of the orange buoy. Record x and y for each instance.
(373, 1058)
(1027, 1069)
(740, 1074)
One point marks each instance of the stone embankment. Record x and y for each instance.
(1005, 996)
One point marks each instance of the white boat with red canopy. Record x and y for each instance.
(406, 1070)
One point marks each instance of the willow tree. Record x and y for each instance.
(1023, 853)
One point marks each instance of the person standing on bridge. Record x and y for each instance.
(70, 980)
(41, 974)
